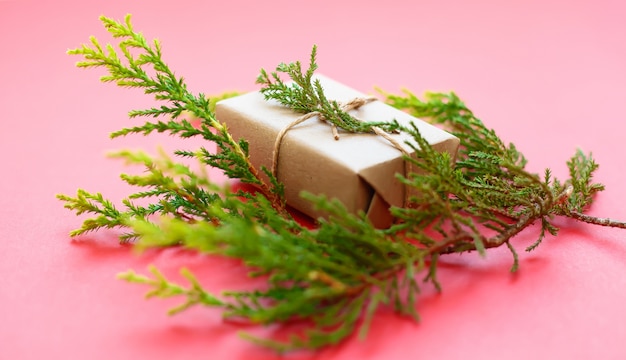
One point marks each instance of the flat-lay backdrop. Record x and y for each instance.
(549, 76)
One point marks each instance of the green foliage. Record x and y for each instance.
(163, 288)
(84, 202)
(581, 168)
(128, 69)
(306, 95)
(344, 269)
(486, 188)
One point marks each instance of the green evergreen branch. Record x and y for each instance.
(306, 95)
(128, 71)
(340, 272)
(490, 182)
(310, 273)
(164, 288)
(84, 202)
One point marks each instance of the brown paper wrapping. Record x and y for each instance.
(357, 169)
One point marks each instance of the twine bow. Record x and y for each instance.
(350, 105)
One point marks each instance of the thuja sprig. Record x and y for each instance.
(487, 187)
(340, 272)
(331, 276)
(163, 288)
(126, 67)
(306, 95)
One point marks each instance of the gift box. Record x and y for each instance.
(358, 169)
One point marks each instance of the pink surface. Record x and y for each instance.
(549, 76)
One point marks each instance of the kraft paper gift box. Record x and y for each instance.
(358, 169)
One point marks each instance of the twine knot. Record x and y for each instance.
(348, 106)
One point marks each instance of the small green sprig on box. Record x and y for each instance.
(306, 95)
(341, 271)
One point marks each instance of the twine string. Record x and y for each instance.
(350, 105)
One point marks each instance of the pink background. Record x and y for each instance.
(547, 75)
